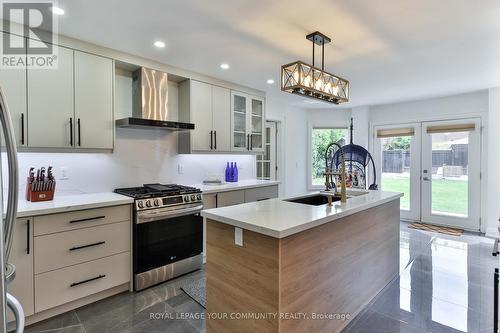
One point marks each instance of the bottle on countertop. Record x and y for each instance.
(228, 172)
(235, 173)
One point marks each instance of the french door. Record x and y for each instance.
(437, 166)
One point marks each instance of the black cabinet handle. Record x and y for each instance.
(251, 143)
(71, 132)
(211, 140)
(86, 246)
(248, 141)
(495, 301)
(28, 250)
(79, 133)
(87, 219)
(22, 128)
(215, 140)
(86, 281)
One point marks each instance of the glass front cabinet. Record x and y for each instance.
(247, 122)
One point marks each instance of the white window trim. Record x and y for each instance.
(310, 127)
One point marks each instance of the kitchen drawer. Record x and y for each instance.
(261, 193)
(71, 283)
(74, 247)
(47, 224)
(230, 198)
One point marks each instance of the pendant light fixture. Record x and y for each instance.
(310, 81)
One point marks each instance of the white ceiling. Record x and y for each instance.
(390, 50)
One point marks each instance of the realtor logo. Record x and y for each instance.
(29, 33)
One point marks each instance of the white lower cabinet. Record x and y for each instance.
(74, 282)
(64, 257)
(21, 256)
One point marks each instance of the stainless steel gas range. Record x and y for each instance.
(167, 232)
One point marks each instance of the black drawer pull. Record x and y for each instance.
(88, 245)
(263, 199)
(87, 219)
(86, 281)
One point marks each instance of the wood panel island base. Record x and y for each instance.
(314, 280)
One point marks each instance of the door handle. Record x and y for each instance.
(22, 129)
(12, 163)
(211, 140)
(251, 143)
(79, 133)
(28, 238)
(427, 179)
(18, 312)
(215, 140)
(71, 132)
(495, 300)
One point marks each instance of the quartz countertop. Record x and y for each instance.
(65, 203)
(279, 218)
(241, 185)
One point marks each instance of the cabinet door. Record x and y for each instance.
(201, 116)
(209, 201)
(93, 101)
(21, 256)
(239, 122)
(221, 110)
(257, 124)
(230, 198)
(13, 84)
(51, 104)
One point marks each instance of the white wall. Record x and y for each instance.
(293, 143)
(140, 156)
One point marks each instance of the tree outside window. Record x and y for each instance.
(321, 138)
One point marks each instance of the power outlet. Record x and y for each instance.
(180, 169)
(238, 236)
(64, 173)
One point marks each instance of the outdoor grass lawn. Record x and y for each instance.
(448, 196)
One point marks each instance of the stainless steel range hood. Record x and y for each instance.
(149, 103)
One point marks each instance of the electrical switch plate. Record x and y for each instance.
(238, 236)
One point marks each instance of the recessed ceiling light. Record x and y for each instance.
(224, 66)
(159, 44)
(57, 10)
(270, 81)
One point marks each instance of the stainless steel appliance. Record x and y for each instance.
(167, 232)
(150, 103)
(8, 271)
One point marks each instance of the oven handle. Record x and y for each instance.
(150, 216)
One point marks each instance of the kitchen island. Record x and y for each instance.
(283, 266)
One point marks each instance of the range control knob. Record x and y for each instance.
(157, 202)
(186, 198)
(148, 203)
(193, 197)
(140, 204)
(198, 197)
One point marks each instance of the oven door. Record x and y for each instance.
(166, 235)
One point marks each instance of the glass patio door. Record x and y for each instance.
(397, 157)
(451, 173)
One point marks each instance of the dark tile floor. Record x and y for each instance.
(445, 285)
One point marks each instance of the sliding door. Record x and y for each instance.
(397, 157)
(451, 173)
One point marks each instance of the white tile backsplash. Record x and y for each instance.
(140, 156)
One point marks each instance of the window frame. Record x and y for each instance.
(312, 126)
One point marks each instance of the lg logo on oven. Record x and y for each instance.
(29, 35)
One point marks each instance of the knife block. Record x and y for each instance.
(34, 195)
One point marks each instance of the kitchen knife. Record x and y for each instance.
(50, 175)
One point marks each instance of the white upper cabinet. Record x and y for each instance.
(208, 108)
(13, 84)
(51, 104)
(201, 116)
(93, 101)
(221, 113)
(247, 122)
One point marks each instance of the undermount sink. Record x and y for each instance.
(314, 200)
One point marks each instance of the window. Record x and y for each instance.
(321, 137)
(266, 163)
